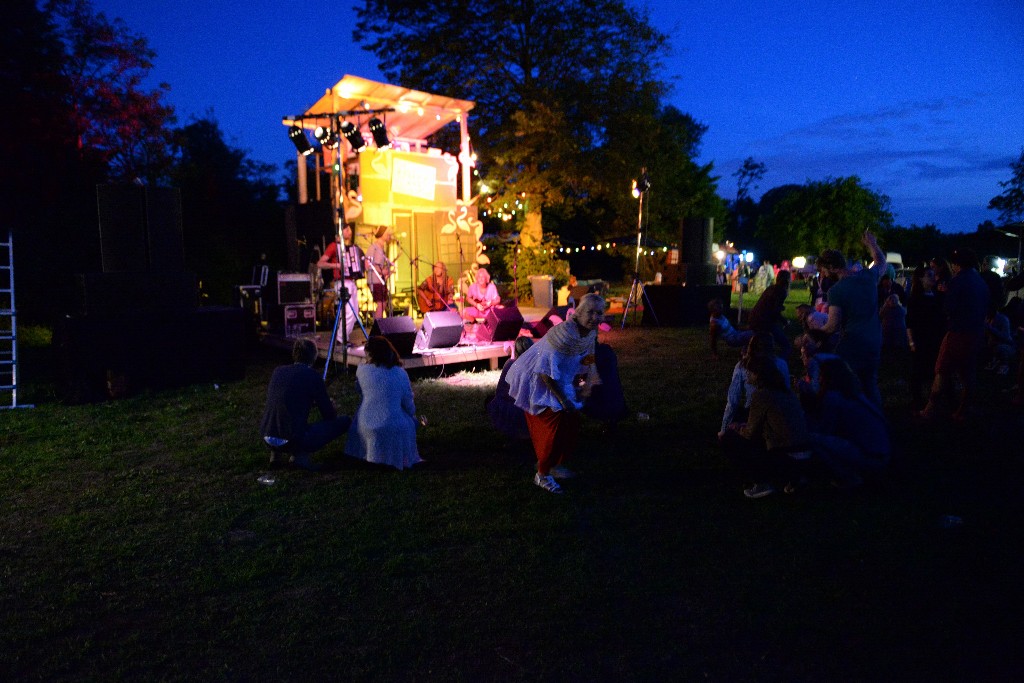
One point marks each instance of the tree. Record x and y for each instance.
(749, 173)
(1010, 203)
(122, 128)
(230, 207)
(559, 86)
(830, 214)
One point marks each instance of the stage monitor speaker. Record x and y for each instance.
(501, 324)
(441, 330)
(399, 330)
(551, 318)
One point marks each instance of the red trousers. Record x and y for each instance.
(554, 434)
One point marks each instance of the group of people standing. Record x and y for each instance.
(833, 422)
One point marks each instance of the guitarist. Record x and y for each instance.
(378, 269)
(437, 292)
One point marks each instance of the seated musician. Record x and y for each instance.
(481, 297)
(437, 292)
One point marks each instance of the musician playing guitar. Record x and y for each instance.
(481, 297)
(437, 292)
(378, 269)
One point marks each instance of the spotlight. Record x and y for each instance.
(298, 138)
(326, 136)
(380, 133)
(641, 184)
(352, 134)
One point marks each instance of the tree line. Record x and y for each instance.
(76, 115)
(571, 106)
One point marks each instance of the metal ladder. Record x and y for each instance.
(8, 327)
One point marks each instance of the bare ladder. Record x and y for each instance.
(8, 328)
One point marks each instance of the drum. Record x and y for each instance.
(328, 307)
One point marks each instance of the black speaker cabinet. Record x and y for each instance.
(400, 331)
(440, 330)
(550, 319)
(294, 288)
(680, 306)
(501, 324)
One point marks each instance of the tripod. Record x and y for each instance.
(641, 186)
(345, 306)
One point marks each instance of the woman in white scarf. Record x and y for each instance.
(543, 383)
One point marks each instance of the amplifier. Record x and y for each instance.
(294, 288)
(299, 319)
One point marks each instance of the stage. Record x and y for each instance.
(467, 351)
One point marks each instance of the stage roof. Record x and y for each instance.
(417, 114)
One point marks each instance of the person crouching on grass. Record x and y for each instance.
(293, 391)
(543, 383)
(774, 440)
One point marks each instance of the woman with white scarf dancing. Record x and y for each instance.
(543, 382)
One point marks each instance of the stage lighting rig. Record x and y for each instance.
(352, 134)
(298, 138)
(380, 133)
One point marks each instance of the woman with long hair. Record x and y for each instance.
(384, 428)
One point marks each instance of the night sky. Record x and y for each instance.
(924, 101)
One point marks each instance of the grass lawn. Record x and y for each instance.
(137, 544)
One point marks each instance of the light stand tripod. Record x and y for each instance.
(641, 186)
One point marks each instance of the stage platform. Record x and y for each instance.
(465, 352)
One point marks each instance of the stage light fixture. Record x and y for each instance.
(380, 133)
(298, 138)
(352, 134)
(326, 136)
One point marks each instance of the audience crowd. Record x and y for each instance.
(787, 423)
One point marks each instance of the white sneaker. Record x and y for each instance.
(560, 472)
(759, 491)
(547, 483)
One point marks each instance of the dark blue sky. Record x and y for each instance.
(924, 101)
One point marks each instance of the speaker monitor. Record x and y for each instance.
(400, 331)
(441, 330)
(550, 319)
(501, 324)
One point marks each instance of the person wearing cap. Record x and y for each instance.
(853, 312)
(378, 269)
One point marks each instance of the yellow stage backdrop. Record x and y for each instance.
(416, 194)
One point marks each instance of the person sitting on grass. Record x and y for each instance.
(849, 432)
(293, 391)
(811, 322)
(385, 422)
(774, 442)
(741, 389)
(607, 400)
(808, 386)
(719, 327)
(506, 416)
